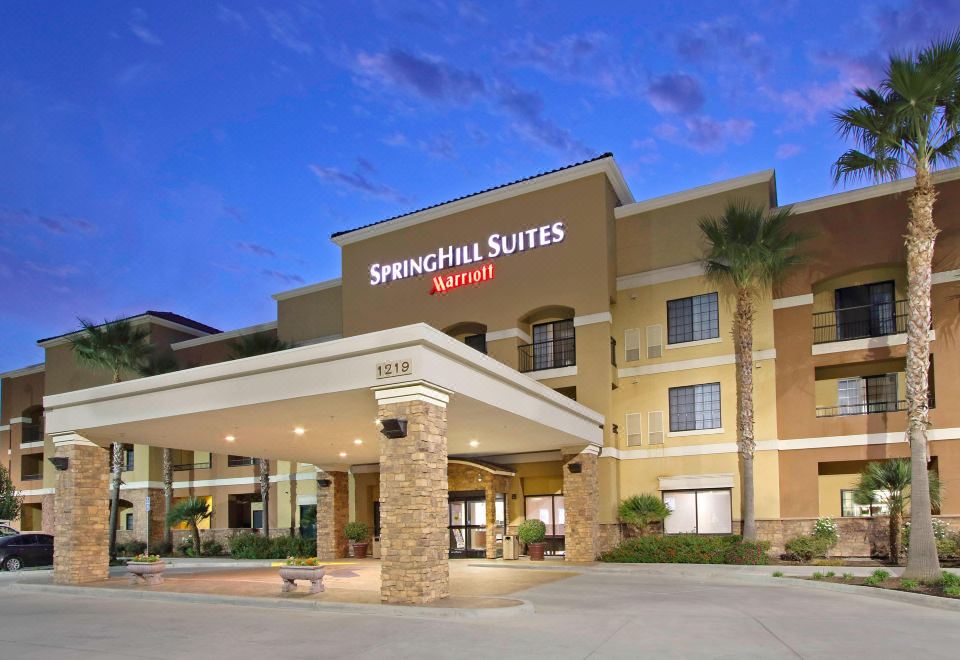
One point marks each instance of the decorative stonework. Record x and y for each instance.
(414, 542)
(138, 499)
(81, 504)
(48, 515)
(333, 512)
(581, 502)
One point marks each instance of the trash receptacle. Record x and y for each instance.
(376, 547)
(511, 547)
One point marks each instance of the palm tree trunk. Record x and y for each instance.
(293, 498)
(195, 532)
(265, 494)
(922, 561)
(743, 348)
(896, 523)
(116, 465)
(167, 493)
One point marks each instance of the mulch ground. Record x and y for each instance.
(892, 583)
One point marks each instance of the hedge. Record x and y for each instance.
(688, 549)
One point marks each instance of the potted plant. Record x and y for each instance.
(302, 568)
(146, 569)
(532, 532)
(357, 533)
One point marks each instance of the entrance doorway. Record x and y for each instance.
(468, 524)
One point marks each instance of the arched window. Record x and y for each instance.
(470, 333)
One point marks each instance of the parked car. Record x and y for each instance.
(7, 530)
(21, 550)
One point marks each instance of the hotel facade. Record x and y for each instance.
(542, 349)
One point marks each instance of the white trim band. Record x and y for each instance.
(24, 371)
(696, 481)
(694, 193)
(660, 276)
(31, 445)
(793, 301)
(867, 343)
(698, 363)
(590, 319)
(239, 332)
(20, 420)
(416, 391)
(546, 374)
(510, 333)
(310, 288)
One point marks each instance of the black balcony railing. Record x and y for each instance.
(180, 467)
(876, 320)
(613, 351)
(869, 408)
(550, 354)
(35, 476)
(238, 461)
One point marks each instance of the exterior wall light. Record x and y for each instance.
(393, 428)
(60, 462)
(323, 483)
(575, 468)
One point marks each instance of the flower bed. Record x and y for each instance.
(689, 549)
(948, 586)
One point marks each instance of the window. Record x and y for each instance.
(695, 407)
(127, 461)
(548, 509)
(693, 319)
(631, 344)
(258, 519)
(128, 521)
(237, 461)
(698, 512)
(850, 509)
(553, 345)
(870, 394)
(867, 310)
(476, 342)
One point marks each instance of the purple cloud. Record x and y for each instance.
(139, 29)
(55, 271)
(285, 31)
(588, 57)
(722, 43)
(254, 248)
(360, 182)
(526, 108)
(706, 134)
(788, 150)
(286, 278)
(439, 146)
(62, 225)
(675, 93)
(427, 77)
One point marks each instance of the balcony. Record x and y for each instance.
(550, 354)
(239, 461)
(860, 322)
(180, 467)
(31, 433)
(33, 476)
(861, 408)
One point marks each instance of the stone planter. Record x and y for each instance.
(360, 550)
(314, 574)
(144, 572)
(535, 551)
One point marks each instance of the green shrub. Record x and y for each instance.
(947, 548)
(805, 548)
(949, 579)
(356, 531)
(249, 545)
(877, 577)
(952, 591)
(131, 548)
(688, 549)
(848, 576)
(830, 574)
(826, 528)
(778, 574)
(292, 546)
(163, 549)
(185, 548)
(211, 548)
(642, 510)
(909, 584)
(817, 576)
(532, 531)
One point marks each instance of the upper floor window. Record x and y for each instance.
(866, 310)
(695, 407)
(238, 461)
(554, 345)
(693, 319)
(127, 460)
(477, 342)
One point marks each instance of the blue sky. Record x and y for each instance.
(195, 157)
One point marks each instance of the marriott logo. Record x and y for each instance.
(444, 283)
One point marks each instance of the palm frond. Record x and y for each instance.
(255, 344)
(114, 346)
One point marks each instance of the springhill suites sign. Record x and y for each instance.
(453, 256)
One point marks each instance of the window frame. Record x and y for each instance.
(696, 510)
(712, 318)
(675, 417)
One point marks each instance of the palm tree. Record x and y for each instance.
(244, 347)
(163, 363)
(888, 483)
(118, 347)
(191, 511)
(910, 123)
(642, 511)
(749, 249)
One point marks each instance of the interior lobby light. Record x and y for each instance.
(474, 443)
(299, 430)
(343, 454)
(229, 438)
(358, 441)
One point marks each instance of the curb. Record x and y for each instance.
(892, 595)
(409, 611)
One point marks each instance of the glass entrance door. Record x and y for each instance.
(468, 524)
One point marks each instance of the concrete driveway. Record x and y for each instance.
(594, 614)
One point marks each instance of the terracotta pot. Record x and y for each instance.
(535, 551)
(360, 550)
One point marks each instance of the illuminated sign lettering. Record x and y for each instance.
(452, 256)
(443, 283)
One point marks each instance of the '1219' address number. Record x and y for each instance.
(395, 368)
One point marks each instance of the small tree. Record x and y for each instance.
(156, 364)
(642, 511)
(191, 511)
(356, 531)
(888, 483)
(10, 499)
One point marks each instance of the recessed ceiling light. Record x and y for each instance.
(229, 438)
(299, 430)
(474, 443)
(343, 454)
(358, 441)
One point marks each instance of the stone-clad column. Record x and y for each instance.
(581, 499)
(82, 505)
(333, 510)
(414, 537)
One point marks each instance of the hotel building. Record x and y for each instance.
(552, 346)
